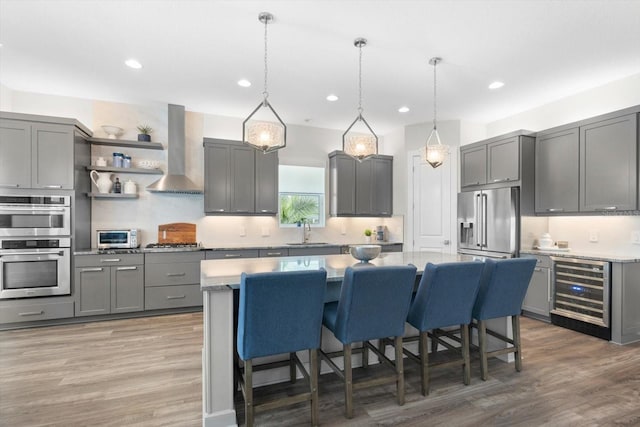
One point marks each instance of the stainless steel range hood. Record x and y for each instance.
(175, 181)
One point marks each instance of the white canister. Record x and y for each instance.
(545, 241)
(130, 187)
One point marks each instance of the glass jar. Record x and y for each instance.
(117, 160)
(126, 161)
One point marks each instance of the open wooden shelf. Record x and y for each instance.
(126, 143)
(125, 170)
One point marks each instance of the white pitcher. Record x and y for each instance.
(103, 181)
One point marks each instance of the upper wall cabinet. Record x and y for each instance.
(360, 188)
(36, 155)
(589, 166)
(238, 179)
(496, 162)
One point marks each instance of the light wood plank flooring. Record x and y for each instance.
(146, 372)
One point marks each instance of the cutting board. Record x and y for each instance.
(177, 232)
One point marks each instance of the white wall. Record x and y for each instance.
(614, 231)
(53, 105)
(6, 98)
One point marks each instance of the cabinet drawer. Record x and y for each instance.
(163, 258)
(328, 250)
(172, 297)
(29, 313)
(396, 247)
(108, 260)
(176, 273)
(542, 260)
(228, 254)
(274, 252)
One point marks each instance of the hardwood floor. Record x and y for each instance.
(146, 372)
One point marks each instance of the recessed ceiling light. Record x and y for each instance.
(496, 85)
(332, 97)
(403, 109)
(132, 63)
(244, 83)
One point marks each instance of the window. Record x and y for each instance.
(301, 195)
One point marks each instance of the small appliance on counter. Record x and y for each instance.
(118, 239)
(381, 233)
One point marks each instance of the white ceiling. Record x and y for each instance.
(194, 52)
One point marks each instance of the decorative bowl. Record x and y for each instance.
(148, 164)
(112, 131)
(364, 253)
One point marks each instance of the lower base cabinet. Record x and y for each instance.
(106, 284)
(172, 280)
(33, 309)
(537, 301)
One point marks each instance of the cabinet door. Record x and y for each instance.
(127, 289)
(608, 165)
(556, 172)
(343, 185)
(92, 289)
(267, 182)
(473, 163)
(243, 178)
(382, 191)
(15, 154)
(52, 156)
(364, 186)
(503, 160)
(216, 178)
(536, 300)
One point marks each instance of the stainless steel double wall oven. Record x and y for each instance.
(35, 245)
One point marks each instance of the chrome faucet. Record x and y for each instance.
(306, 231)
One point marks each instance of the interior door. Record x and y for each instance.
(430, 206)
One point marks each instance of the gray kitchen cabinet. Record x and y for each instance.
(317, 250)
(172, 280)
(360, 188)
(239, 180)
(503, 163)
(557, 171)
(106, 284)
(264, 253)
(537, 301)
(394, 247)
(35, 309)
(473, 166)
(608, 164)
(36, 155)
(232, 253)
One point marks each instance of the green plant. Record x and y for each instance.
(367, 232)
(145, 129)
(295, 209)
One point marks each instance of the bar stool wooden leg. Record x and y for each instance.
(424, 362)
(466, 377)
(399, 371)
(348, 382)
(434, 341)
(248, 393)
(482, 341)
(313, 380)
(365, 355)
(515, 323)
(292, 368)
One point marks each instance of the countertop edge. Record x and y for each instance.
(584, 255)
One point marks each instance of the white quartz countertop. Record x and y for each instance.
(223, 273)
(599, 256)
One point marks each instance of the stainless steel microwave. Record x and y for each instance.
(118, 239)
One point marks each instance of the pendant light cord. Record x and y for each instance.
(435, 110)
(265, 94)
(360, 80)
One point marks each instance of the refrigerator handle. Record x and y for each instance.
(484, 220)
(479, 221)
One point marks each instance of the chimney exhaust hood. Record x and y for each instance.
(175, 181)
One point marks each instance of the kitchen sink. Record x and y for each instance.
(307, 244)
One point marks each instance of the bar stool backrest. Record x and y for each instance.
(445, 295)
(280, 312)
(503, 286)
(374, 302)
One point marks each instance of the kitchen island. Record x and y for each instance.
(219, 278)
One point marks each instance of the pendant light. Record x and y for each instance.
(434, 152)
(362, 144)
(271, 134)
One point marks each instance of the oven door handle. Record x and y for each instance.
(59, 253)
(31, 209)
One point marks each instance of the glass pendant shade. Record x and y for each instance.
(434, 153)
(266, 135)
(360, 143)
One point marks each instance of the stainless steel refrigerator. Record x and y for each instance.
(489, 222)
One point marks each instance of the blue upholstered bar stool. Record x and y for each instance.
(280, 312)
(444, 299)
(373, 304)
(502, 289)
